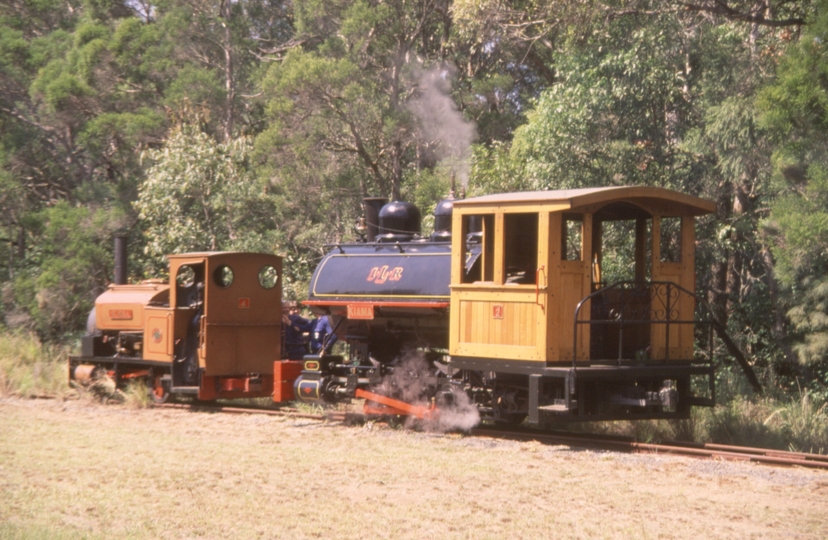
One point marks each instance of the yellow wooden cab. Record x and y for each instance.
(539, 302)
(542, 255)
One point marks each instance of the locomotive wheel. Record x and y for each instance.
(159, 390)
(509, 405)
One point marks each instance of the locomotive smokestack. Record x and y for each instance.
(121, 258)
(372, 206)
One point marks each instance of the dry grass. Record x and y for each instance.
(29, 369)
(797, 424)
(82, 470)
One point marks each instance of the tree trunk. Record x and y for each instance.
(719, 270)
(229, 86)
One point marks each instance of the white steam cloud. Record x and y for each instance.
(443, 130)
(412, 380)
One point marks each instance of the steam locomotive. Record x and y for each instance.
(502, 309)
(506, 306)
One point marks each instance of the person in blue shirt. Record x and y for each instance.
(295, 326)
(323, 334)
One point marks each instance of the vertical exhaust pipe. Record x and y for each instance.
(372, 206)
(121, 258)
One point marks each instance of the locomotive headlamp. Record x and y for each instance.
(361, 227)
(311, 365)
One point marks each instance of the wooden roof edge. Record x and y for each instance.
(209, 254)
(586, 196)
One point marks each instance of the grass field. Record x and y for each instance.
(77, 469)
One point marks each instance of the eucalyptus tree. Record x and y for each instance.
(351, 113)
(200, 195)
(87, 87)
(794, 110)
(346, 89)
(72, 122)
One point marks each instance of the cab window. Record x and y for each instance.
(572, 237)
(520, 237)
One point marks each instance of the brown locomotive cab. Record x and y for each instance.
(214, 332)
(241, 324)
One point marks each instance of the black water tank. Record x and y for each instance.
(399, 221)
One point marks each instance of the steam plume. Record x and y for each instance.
(413, 379)
(443, 130)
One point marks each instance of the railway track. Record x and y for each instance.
(699, 450)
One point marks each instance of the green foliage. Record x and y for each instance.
(493, 170)
(802, 422)
(795, 111)
(199, 195)
(55, 288)
(195, 87)
(614, 118)
(809, 317)
(796, 424)
(741, 422)
(136, 395)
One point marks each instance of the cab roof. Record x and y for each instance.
(679, 204)
(209, 254)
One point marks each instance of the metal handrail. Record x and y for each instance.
(712, 324)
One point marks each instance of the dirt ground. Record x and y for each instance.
(77, 469)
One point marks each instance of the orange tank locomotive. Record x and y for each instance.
(213, 332)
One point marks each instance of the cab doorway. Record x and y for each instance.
(621, 267)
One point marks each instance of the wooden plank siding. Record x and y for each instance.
(503, 324)
(498, 320)
(682, 307)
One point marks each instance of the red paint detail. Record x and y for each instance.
(395, 406)
(233, 384)
(497, 311)
(361, 311)
(239, 386)
(135, 374)
(244, 303)
(120, 314)
(285, 373)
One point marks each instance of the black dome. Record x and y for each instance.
(398, 222)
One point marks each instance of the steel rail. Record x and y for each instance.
(291, 413)
(703, 450)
